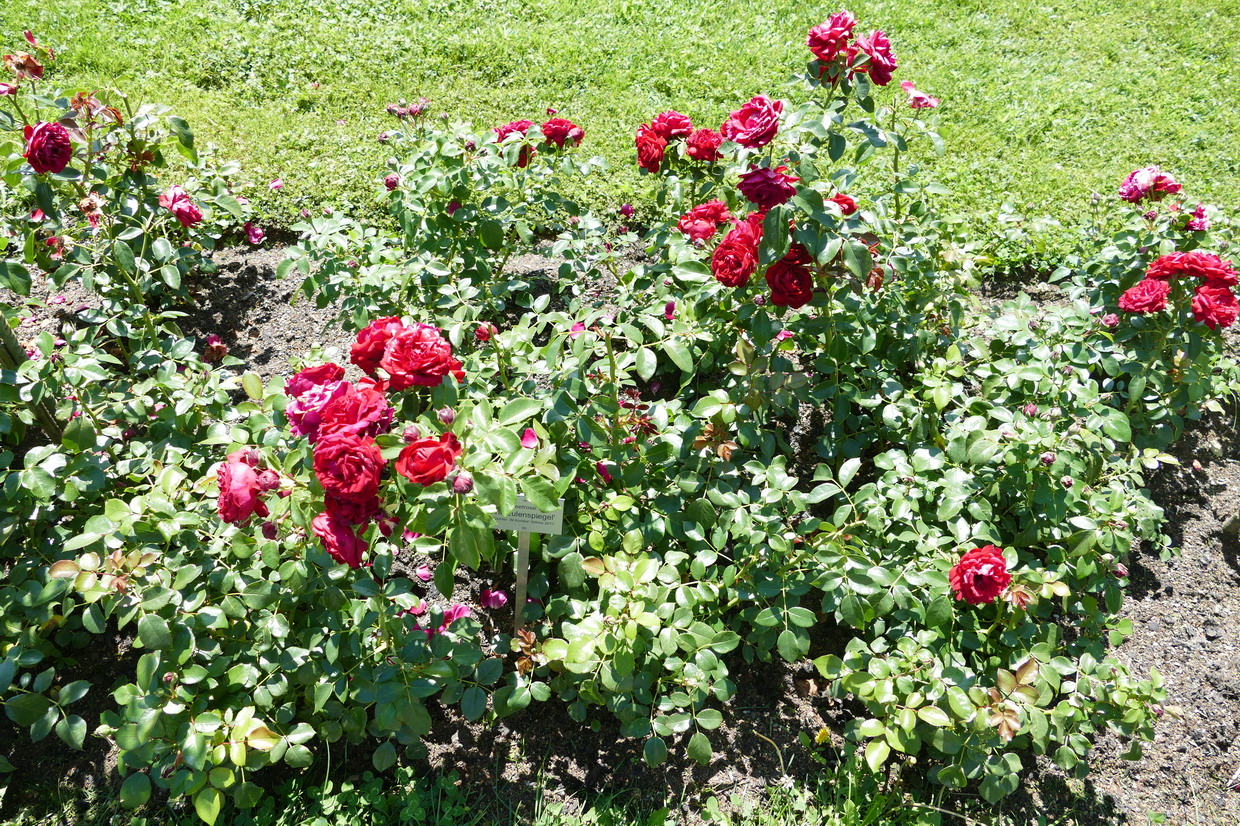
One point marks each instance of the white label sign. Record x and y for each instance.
(526, 517)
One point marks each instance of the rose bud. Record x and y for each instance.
(453, 206)
(463, 483)
(492, 599)
(1048, 458)
(215, 350)
(411, 434)
(1067, 481)
(391, 181)
(1055, 412)
(1031, 409)
(128, 433)
(1110, 320)
(268, 479)
(269, 530)
(626, 210)
(447, 415)
(1121, 570)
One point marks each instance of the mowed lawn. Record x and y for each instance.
(1043, 103)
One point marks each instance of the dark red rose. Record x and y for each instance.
(367, 351)
(767, 187)
(980, 575)
(1215, 306)
(239, 490)
(755, 124)
(882, 59)
(176, 200)
(484, 332)
(312, 377)
(702, 222)
(48, 147)
(671, 125)
(830, 39)
(790, 279)
(703, 145)
(560, 131)
(428, 461)
(650, 148)
(1204, 265)
(352, 513)
(736, 257)
(339, 539)
(516, 127)
(420, 356)
(1148, 296)
(361, 411)
(348, 466)
(846, 204)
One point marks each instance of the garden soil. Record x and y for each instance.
(1185, 611)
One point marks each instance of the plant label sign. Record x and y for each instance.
(525, 517)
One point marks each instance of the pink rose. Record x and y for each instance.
(305, 412)
(529, 439)
(882, 59)
(48, 147)
(492, 599)
(980, 575)
(755, 124)
(360, 412)
(916, 99)
(239, 489)
(253, 234)
(1147, 182)
(176, 200)
(312, 377)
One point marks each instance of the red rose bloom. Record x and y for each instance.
(790, 280)
(755, 124)
(339, 539)
(313, 377)
(736, 257)
(980, 575)
(1215, 306)
(176, 200)
(1148, 296)
(1147, 182)
(702, 222)
(650, 148)
(484, 332)
(703, 145)
(360, 412)
(767, 187)
(829, 40)
(367, 351)
(348, 466)
(1204, 265)
(48, 147)
(516, 127)
(239, 489)
(428, 461)
(671, 125)
(352, 513)
(419, 356)
(560, 131)
(846, 204)
(882, 58)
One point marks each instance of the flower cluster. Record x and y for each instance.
(557, 133)
(397, 355)
(838, 52)
(1214, 301)
(1149, 183)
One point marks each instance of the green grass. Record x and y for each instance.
(1043, 103)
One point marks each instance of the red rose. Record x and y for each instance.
(767, 187)
(239, 489)
(1148, 296)
(846, 204)
(176, 200)
(1215, 306)
(352, 513)
(736, 257)
(650, 148)
(48, 147)
(882, 59)
(339, 539)
(348, 466)
(980, 575)
(829, 40)
(560, 131)
(360, 412)
(367, 351)
(313, 377)
(484, 332)
(790, 280)
(671, 125)
(516, 127)
(428, 461)
(703, 145)
(420, 356)
(1147, 182)
(755, 124)
(305, 412)
(1204, 265)
(702, 222)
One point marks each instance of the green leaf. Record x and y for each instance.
(847, 471)
(934, 716)
(518, 410)
(207, 804)
(154, 633)
(298, 756)
(15, 277)
(678, 352)
(72, 730)
(939, 612)
(384, 757)
(124, 257)
(789, 646)
(876, 752)
(473, 703)
(252, 383)
(647, 363)
(247, 794)
(655, 751)
(491, 234)
(699, 748)
(136, 790)
(79, 434)
(26, 709)
(181, 129)
(709, 718)
(857, 258)
(540, 492)
(776, 239)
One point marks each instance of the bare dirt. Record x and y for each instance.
(1184, 610)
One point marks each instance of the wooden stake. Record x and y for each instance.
(523, 576)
